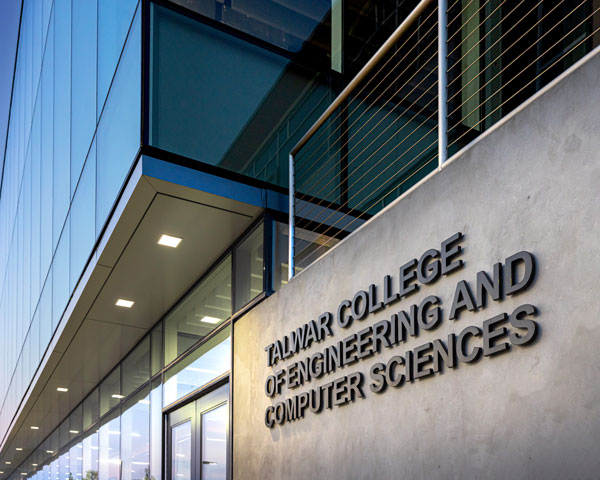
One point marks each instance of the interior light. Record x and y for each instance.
(117, 396)
(62, 389)
(23, 473)
(74, 431)
(169, 241)
(50, 451)
(207, 319)
(18, 449)
(124, 303)
(33, 427)
(8, 463)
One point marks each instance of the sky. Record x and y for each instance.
(10, 11)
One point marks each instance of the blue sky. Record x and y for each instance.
(9, 27)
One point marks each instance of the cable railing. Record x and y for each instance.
(448, 73)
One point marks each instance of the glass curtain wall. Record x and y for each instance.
(116, 432)
(74, 131)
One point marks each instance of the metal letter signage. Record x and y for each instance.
(495, 335)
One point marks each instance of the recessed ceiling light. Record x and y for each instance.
(18, 449)
(1, 473)
(23, 473)
(62, 389)
(33, 427)
(74, 431)
(116, 395)
(124, 303)
(207, 319)
(50, 451)
(8, 463)
(169, 241)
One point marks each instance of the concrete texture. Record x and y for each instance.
(531, 184)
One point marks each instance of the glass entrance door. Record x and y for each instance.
(197, 434)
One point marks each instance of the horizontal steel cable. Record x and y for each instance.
(431, 145)
(385, 130)
(499, 24)
(385, 169)
(299, 178)
(373, 77)
(512, 79)
(504, 52)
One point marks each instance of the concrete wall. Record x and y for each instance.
(534, 412)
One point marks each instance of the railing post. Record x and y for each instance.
(442, 82)
(291, 233)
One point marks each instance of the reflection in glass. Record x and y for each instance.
(214, 444)
(118, 137)
(90, 456)
(76, 462)
(156, 430)
(200, 313)
(211, 360)
(109, 436)
(181, 451)
(90, 409)
(110, 391)
(135, 438)
(136, 367)
(249, 268)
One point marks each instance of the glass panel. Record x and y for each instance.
(76, 462)
(254, 104)
(249, 266)
(280, 255)
(157, 344)
(114, 19)
(76, 422)
(83, 225)
(286, 25)
(83, 93)
(64, 466)
(208, 362)
(202, 123)
(60, 277)
(118, 138)
(110, 391)
(62, 115)
(90, 456)
(136, 367)
(135, 438)
(109, 443)
(214, 443)
(181, 451)
(90, 409)
(156, 430)
(200, 312)
(63, 433)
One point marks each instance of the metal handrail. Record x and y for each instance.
(360, 76)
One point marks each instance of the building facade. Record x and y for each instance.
(243, 239)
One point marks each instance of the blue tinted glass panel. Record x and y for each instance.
(118, 137)
(200, 105)
(62, 113)
(83, 92)
(60, 277)
(45, 310)
(47, 155)
(114, 20)
(83, 225)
